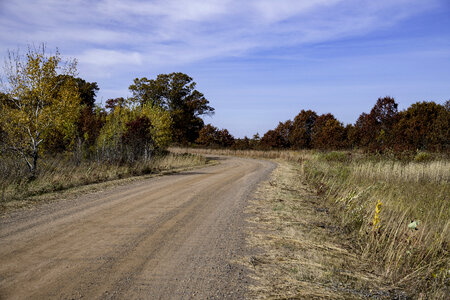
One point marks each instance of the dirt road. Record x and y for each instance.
(172, 237)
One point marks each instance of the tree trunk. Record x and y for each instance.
(33, 167)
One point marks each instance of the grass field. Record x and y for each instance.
(397, 212)
(302, 252)
(61, 173)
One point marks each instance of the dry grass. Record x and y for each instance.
(412, 172)
(304, 254)
(57, 174)
(417, 260)
(274, 154)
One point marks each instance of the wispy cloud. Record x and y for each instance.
(101, 57)
(182, 31)
(253, 49)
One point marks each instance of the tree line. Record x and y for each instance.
(422, 126)
(45, 109)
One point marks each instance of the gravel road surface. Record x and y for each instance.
(171, 237)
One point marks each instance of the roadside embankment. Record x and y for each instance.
(59, 175)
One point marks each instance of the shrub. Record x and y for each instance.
(336, 156)
(423, 156)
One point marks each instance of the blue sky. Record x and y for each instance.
(258, 62)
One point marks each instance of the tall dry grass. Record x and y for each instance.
(272, 154)
(60, 173)
(434, 171)
(410, 244)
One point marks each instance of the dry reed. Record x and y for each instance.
(60, 173)
(414, 257)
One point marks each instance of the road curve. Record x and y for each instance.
(171, 237)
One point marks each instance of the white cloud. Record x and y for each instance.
(194, 10)
(101, 57)
(272, 12)
(109, 33)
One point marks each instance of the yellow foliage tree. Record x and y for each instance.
(123, 113)
(37, 101)
(109, 141)
(161, 121)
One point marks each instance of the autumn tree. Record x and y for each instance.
(176, 93)
(328, 133)
(365, 131)
(440, 135)
(375, 129)
(272, 139)
(385, 113)
(91, 116)
(351, 140)
(224, 138)
(207, 136)
(161, 128)
(88, 123)
(283, 130)
(109, 142)
(211, 136)
(255, 141)
(3, 99)
(242, 144)
(137, 138)
(277, 138)
(116, 103)
(300, 135)
(423, 126)
(38, 101)
(132, 132)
